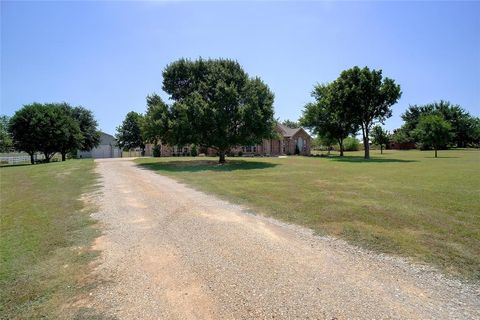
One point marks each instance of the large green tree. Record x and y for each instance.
(88, 127)
(62, 132)
(327, 116)
(380, 137)
(155, 125)
(463, 124)
(367, 98)
(216, 104)
(45, 128)
(26, 128)
(129, 133)
(433, 130)
(53, 127)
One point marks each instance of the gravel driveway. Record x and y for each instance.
(169, 252)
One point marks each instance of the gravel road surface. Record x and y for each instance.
(170, 252)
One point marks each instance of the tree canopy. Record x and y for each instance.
(367, 98)
(434, 130)
(215, 104)
(129, 133)
(463, 125)
(380, 137)
(51, 128)
(327, 116)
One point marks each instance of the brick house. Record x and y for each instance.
(284, 144)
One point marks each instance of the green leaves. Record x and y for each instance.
(433, 130)
(129, 134)
(53, 127)
(215, 105)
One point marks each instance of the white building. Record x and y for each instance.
(106, 149)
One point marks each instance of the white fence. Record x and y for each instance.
(14, 158)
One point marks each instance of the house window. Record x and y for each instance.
(249, 149)
(254, 148)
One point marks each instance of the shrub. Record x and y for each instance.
(193, 151)
(297, 150)
(240, 153)
(351, 144)
(156, 151)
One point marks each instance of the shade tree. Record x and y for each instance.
(215, 105)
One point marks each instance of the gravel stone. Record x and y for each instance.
(171, 252)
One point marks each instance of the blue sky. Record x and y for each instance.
(107, 56)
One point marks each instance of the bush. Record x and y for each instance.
(297, 150)
(351, 144)
(193, 151)
(156, 151)
(240, 153)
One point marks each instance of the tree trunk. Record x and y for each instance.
(32, 160)
(435, 152)
(222, 157)
(47, 157)
(366, 145)
(64, 155)
(381, 149)
(340, 143)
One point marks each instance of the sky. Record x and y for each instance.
(108, 56)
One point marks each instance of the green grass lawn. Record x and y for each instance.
(45, 238)
(401, 202)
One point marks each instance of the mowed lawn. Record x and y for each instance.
(401, 202)
(46, 233)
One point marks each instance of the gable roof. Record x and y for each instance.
(107, 139)
(289, 132)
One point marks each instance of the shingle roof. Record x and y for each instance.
(288, 132)
(107, 139)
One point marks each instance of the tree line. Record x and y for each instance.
(49, 128)
(216, 104)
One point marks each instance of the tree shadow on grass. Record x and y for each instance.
(359, 159)
(206, 165)
(15, 165)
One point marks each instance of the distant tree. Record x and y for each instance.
(291, 124)
(462, 123)
(62, 131)
(351, 143)
(155, 125)
(324, 142)
(6, 142)
(380, 137)
(367, 98)
(217, 105)
(88, 127)
(402, 135)
(26, 129)
(433, 130)
(45, 128)
(129, 133)
(327, 117)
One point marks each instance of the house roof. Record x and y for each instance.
(288, 132)
(107, 139)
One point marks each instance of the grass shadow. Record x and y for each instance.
(15, 165)
(206, 165)
(360, 159)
